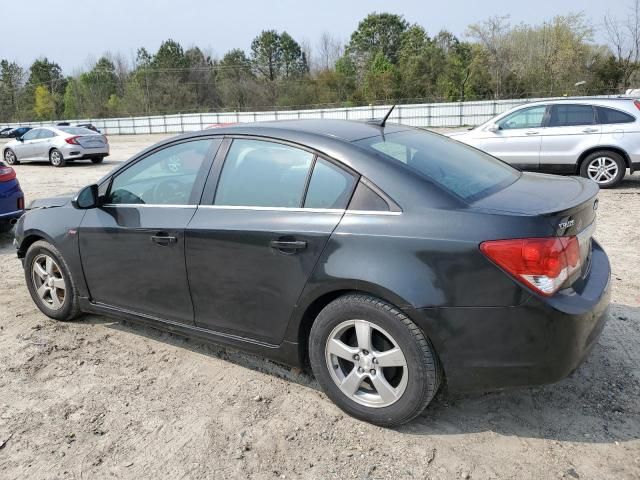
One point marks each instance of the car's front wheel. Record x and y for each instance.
(56, 159)
(10, 157)
(604, 167)
(372, 360)
(49, 282)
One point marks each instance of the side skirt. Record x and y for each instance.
(286, 353)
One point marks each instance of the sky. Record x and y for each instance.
(74, 33)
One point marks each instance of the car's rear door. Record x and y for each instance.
(517, 140)
(133, 247)
(572, 129)
(265, 218)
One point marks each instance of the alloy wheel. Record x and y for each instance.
(55, 158)
(366, 363)
(602, 170)
(10, 157)
(48, 281)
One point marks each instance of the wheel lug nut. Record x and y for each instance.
(375, 360)
(372, 371)
(356, 357)
(365, 352)
(360, 370)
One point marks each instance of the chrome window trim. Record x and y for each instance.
(146, 205)
(268, 209)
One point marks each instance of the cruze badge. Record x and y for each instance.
(567, 224)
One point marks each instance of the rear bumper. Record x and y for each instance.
(76, 152)
(10, 195)
(538, 342)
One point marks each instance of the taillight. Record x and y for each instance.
(106, 140)
(21, 203)
(72, 140)
(6, 174)
(637, 104)
(543, 264)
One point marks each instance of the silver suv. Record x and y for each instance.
(595, 137)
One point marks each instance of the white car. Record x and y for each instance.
(598, 138)
(58, 145)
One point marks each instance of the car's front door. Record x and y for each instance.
(132, 247)
(572, 129)
(255, 239)
(25, 149)
(518, 137)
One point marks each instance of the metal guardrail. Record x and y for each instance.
(452, 114)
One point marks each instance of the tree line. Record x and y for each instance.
(386, 59)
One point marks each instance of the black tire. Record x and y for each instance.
(606, 157)
(97, 159)
(56, 158)
(422, 365)
(10, 157)
(70, 307)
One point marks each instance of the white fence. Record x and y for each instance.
(453, 114)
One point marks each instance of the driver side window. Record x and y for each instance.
(165, 177)
(31, 134)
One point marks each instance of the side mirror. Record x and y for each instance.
(20, 139)
(494, 127)
(86, 198)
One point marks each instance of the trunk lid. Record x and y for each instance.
(568, 204)
(92, 141)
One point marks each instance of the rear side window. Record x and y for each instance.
(571, 115)
(364, 198)
(330, 186)
(609, 115)
(458, 168)
(263, 174)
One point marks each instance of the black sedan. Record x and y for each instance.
(14, 132)
(385, 257)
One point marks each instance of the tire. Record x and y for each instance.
(604, 167)
(414, 380)
(97, 159)
(56, 159)
(67, 307)
(10, 157)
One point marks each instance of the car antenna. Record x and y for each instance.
(382, 122)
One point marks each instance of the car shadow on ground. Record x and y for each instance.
(596, 404)
(69, 163)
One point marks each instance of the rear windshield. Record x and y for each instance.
(460, 169)
(77, 130)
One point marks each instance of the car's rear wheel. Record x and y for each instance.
(372, 360)
(604, 167)
(49, 282)
(10, 157)
(56, 159)
(97, 159)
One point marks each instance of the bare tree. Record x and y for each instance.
(492, 34)
(329, 51)
(624, 38)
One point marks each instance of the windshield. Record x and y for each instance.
(460, 169)
(77, 130)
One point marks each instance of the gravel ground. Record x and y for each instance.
(101, 398)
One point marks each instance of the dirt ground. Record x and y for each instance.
(100, 398)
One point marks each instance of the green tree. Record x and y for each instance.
(294, 61)
(266, 55)
(44, 106)
(236, 79)
(11, 82)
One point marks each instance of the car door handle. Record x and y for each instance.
(532, 132)
(163, 239)
(288, 246)
(590, 130)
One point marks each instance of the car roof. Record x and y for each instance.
(346, 130)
